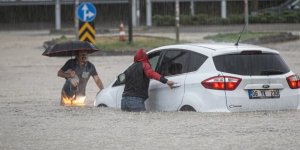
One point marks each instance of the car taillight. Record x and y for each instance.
(293, 81)
(221, 83)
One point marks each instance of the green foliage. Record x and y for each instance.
(236, 19)
(187, 20)
(163, 20)
(291, 17)
(112, 43)
(203, 19)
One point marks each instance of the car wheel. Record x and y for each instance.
(187, 108)
(102, 105)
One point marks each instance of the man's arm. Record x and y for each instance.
(67, 74)
(66, 71)
(150, 73)
(98, 82)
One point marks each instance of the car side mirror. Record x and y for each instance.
(121, 78)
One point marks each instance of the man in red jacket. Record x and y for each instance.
(137, 78)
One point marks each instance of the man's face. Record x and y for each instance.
(82, 57)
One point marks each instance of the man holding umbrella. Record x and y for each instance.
(76, 71)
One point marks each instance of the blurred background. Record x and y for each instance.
(60, 14)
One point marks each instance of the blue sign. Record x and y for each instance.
(86, 12)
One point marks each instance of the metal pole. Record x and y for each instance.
(246, 15)
(133, 12)
(130, 22)
(177, 20)
(57, 15)
(192, 8)
(149, 13)
(138, 11)
(223, 9)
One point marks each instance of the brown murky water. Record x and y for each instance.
(31, 118)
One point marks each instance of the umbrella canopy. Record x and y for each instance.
(69, 48)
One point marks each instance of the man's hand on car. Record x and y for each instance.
(170, 84)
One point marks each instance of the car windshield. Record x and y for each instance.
(251, 64)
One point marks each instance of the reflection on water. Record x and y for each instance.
(75, 101)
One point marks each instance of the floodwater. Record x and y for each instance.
(31, 117)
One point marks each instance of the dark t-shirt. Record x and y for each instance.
(83, 74)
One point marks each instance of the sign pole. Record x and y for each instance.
(246, 15)
(177, 20)
(130, 22)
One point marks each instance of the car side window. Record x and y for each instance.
(174, 62)
(195, 61)
(120, 80)
(153, 59)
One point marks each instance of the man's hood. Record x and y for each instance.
(140, 56)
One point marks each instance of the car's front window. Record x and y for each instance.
(153, 59)
(174, 62)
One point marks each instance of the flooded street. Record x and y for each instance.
(31, 117)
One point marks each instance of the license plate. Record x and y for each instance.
(263, 94)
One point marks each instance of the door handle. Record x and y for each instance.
(176, 85)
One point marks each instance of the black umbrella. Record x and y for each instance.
(69, 48)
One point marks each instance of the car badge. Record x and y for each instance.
(266, 86)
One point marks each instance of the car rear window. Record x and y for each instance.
(251, 64)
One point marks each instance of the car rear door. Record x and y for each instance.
(173, 66)
(263, 83)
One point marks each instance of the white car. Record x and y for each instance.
(215, 78)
